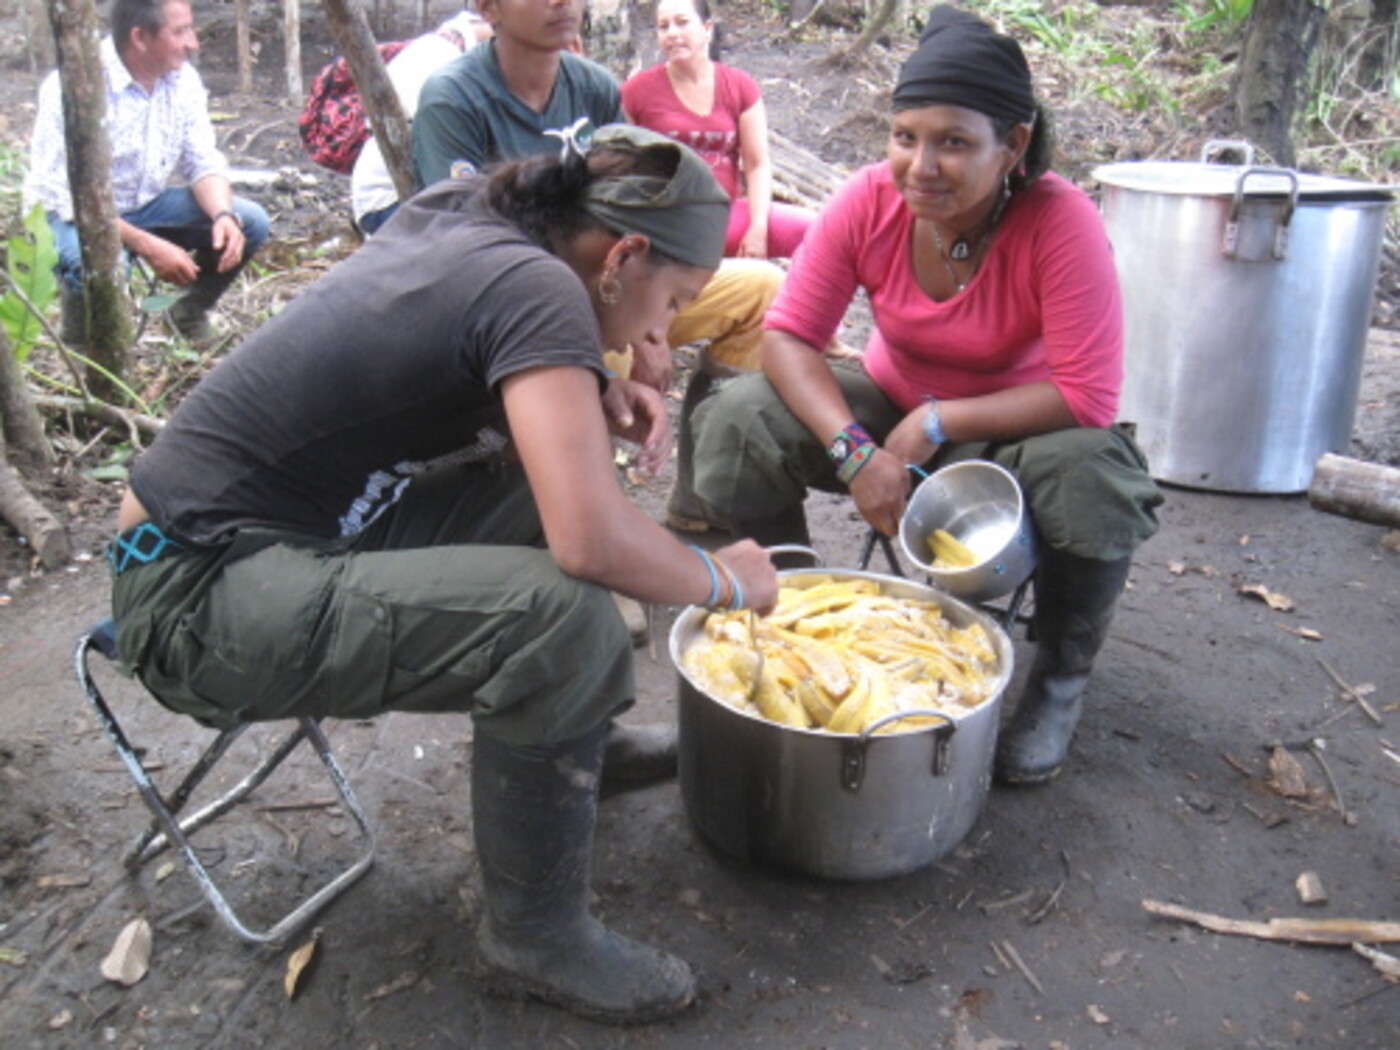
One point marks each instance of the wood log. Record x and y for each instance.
(43, 531)
(1353, 488)
(801, 177)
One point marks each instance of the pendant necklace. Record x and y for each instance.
(963, 249)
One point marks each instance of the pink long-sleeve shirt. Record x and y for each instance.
(1045, 303)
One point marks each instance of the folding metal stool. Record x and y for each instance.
(1007, 617)
(169, 827)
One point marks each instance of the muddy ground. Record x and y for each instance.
(1031, 934)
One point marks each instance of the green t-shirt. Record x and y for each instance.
(468, 119)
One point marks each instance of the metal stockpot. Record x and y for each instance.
(842, 806)
(1246, 299)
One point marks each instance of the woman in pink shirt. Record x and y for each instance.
(998, 335)
(717, 111)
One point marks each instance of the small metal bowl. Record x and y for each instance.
(981, 505)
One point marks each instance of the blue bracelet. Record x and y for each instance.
(709, 561)
(736, 591)
(933, 425)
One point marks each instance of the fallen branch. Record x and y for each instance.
(135, 423)
(1340, 932)
(31, 519)
(1350, 692)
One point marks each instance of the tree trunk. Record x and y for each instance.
(243, 37)
(347, 22)
(609, 35)
(874, 26)
(292, 31)
(28, 516)
(1278, 45)
(23, 427)
(76, 34)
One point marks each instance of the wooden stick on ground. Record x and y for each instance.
(1304, 931)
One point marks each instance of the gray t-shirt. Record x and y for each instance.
(468, 119)
(389, 365)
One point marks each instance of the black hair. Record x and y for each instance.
(126, 15)
(1039, 151)
(545, 196)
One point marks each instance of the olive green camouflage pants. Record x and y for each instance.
(446, 603)
(1088, 488)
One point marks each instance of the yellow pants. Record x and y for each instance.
(728, 312)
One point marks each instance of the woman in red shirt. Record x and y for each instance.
(717, 111)
(998, 335)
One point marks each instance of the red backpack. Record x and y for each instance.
(332, 123)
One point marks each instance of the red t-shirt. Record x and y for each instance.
(651, 102)
(1045, 303)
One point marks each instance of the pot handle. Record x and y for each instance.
(798, 548)
(1232, 223)
(1233, 145)
(853, 760)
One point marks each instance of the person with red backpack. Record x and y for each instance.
(373, 196)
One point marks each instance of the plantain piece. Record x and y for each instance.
(723, 670)
(775, 702)
(824, 662)
(949, 552)
(824, 597)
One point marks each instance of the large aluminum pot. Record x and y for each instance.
(1247, 295)
(842, 806)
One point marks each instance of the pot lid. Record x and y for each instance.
(1186, 178)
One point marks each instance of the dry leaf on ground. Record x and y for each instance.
(130, 957)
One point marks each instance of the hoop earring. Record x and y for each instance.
(609, 289)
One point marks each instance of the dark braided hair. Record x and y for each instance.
(544, 196)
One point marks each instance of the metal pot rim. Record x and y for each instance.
(1001, 642)
(1196, 179)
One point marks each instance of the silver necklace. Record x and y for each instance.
(948, 262)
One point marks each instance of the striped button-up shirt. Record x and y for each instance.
(153, 135)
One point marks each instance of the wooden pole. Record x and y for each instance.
(292, 31)
(347, 22)
(244, 38)
(1356, 489)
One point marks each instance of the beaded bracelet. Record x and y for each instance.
(933, 425)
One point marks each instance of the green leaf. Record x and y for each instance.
(32, 257)
(161, 301)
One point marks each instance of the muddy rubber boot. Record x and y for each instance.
(72, 307)
(787, 526)
(1074, 602)
(534, 809)
(189, 315)
(684, 510)
(637, 755)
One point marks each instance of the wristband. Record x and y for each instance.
(933, 425)
(847, 471)
(228, 213)
(844, 444)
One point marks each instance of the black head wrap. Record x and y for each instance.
(963, 61)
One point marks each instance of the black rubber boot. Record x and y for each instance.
(1074, 602)
(190, 313)
(72, 325)
(534, 809)
(685, 512)
(637, 755)
(785, 527)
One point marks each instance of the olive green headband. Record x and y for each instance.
(686, 216)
